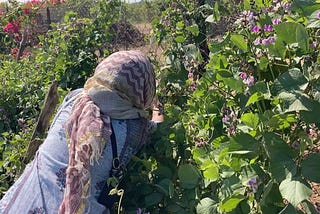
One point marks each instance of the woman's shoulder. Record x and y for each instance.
(73, 94)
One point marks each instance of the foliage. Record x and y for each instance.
(239, 111)
(67, 53)
(140, 12)
(241, 107)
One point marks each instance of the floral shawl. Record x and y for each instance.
(122, 87)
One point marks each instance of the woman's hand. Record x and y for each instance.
(157, 111)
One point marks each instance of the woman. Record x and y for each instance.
(73, 164)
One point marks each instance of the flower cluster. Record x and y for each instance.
(247, 79)
(264, 33)
(253, 184)
(140, 211)
(11, 27)
(191, 66)
(230, 120)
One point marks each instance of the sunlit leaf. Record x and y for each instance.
(289, 81)
(250, 119)
(207, 206)
(295, 190)
(239, 41)
(231, 202)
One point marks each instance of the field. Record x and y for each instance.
(239, 81)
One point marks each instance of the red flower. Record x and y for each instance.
(2, 12)
(14, 51)
(34, 2)
(26, 10)
(18, 38)
(11, 27)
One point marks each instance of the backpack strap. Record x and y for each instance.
(105, 197)
(115, 160)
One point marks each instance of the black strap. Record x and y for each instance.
(113, 144)
(105, 198)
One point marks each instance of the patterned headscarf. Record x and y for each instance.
(122, 87)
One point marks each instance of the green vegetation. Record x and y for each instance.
(240, 84)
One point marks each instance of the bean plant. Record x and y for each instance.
(68, 53)
(241, 110)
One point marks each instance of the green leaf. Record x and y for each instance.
(281, 157)
(210, 19)
(234, 84)
(207, 206)
(179, 39)
(282, 167)
(312, 116)
(231, 202)
(281, 121)
(194, 29)
(254, 98)
(243, 142)
(271, 194)
(290, 81)
(231, 186)
(264, 62)
(290, 33)
(305, 7)
(309, 207)
(152, 199)
(289, 209)
(309, 166)
(295, 101)
(165, 186)
(211, 172)
(250, 119)
(295, 190)
(239, 41)
(189, 176)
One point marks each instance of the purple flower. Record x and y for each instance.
(243, 75)
(286, 5)
(268, 40)
(267, 28)
(249, 81)
(248, 15)
(276, 21)
(193, 86)
(318, 15)
(190, 74)
(225, 118)
(255, 29)
(308, 131)
(139, 211)
(257, 41)
(253, 183)
(192, 123)
(232, 130)
(295, 145)
(313, 45)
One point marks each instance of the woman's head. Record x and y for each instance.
(125, 79)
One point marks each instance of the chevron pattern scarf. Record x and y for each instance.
(122, 87)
